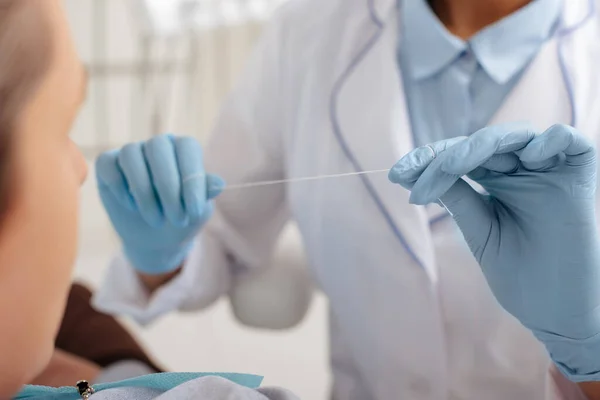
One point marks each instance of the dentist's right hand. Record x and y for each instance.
(534, 233)
(158, 197)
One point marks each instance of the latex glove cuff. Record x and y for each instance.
(578, 360)
(158, 262)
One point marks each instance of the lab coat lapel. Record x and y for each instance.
(541, 97)
(561, 84)
(372, 127)
(580, 56)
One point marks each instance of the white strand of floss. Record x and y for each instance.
(304, 179)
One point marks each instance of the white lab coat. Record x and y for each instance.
(411, 314)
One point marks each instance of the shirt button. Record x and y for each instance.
(467, 62)
(466, 55)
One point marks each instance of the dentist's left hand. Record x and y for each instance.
(158, 196)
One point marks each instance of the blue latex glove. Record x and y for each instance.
(157, 196)
(534, 235)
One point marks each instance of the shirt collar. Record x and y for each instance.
(502, 49)
(426, 45)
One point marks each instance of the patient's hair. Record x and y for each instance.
(25, 56)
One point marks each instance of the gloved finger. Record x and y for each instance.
(133, 164)
(110, 177)
(214, 186)
(164, 173)
(472, 214)
(434, 181)
(504, 163)
(410, 167)
(465, 157)
(196, 190)
(544, 165)
(499, 164)
(437, 181)
(483, 144)
(560, 139)
(541, 166)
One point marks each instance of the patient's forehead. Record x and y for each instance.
(64, 58)
(62, 86)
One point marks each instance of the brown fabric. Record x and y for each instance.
(94, 336)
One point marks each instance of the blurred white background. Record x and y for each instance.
(169, 71)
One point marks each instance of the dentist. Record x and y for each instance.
(343, 86)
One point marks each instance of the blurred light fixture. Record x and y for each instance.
(174, 17)
(163, 17)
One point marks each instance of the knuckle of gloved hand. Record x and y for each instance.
(102, 162)
(190, 141)
(163, 140)
(128, 150)
(106, 167)
(190, 146)
(562, 132)
(561, 129)
(591, 153)
(157, 153)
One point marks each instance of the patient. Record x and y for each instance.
(42, 86)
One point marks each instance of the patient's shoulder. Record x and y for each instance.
(205, 388)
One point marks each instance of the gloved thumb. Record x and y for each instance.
(472, 213)
(214, 186)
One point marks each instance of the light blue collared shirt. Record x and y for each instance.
(454, 87)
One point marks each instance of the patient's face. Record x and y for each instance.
(41, 226)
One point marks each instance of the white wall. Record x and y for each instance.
(117, 112)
